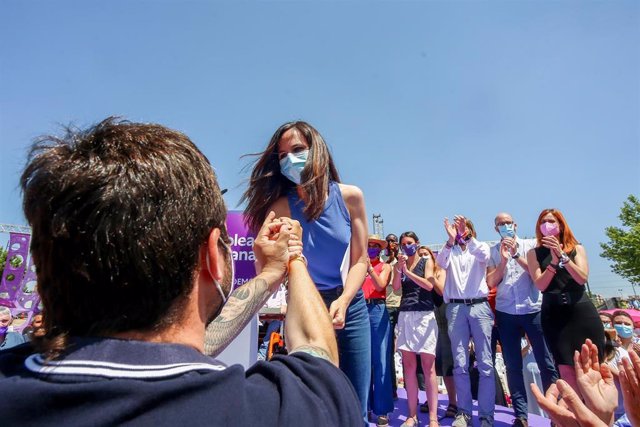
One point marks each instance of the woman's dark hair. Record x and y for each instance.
(119, 213)
(267, 184)
(609, 346)
(410, 234)
(608, 315)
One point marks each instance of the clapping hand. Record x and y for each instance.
(553, 244)
(505, 251)
(567, 410)
(630, 385)
(595, 382)
(511, 245)
(451, 230)
(461, 225)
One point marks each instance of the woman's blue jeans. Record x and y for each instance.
(354, 345)
(381, 397)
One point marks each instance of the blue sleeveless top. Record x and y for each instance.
(326, 240)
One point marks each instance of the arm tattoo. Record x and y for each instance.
(242, 306)
(313, 351)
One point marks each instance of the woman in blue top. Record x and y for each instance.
(295, 177)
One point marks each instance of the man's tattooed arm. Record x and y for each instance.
(244, 303)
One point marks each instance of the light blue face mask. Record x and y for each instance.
(507, 230)
(291, 166)
(625, 331)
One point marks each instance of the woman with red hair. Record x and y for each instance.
(559, 268)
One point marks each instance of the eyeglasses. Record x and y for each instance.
(505, 223)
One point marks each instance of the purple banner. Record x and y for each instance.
(27, 298)
(14, 270)
(242, 248)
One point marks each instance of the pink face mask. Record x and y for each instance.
(549, 229)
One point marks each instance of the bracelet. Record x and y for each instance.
(397, 271)
(448, 245)
(551, 269)
(300, 258)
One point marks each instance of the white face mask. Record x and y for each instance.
(218, 286)
(292, 165)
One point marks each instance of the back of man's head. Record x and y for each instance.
(118, 214)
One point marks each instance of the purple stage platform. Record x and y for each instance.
(503, 416)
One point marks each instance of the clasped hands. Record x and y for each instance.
(278, 241)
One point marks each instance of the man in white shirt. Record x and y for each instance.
(469, 316)
(518, 304)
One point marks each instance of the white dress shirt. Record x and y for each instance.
(466, 270)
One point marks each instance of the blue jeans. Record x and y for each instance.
(472, 321)
(381, 398)
(511, 327)
(354, 345)
(272, 326)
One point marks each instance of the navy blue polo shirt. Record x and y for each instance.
(107, 382)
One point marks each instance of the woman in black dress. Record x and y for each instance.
(559, 268)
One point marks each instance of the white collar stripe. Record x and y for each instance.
(35, 364)
(39, 360)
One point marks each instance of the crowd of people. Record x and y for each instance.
(540, 308)
(136, 278)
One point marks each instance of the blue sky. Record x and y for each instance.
(432, 108)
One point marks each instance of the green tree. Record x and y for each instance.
(3, 259)
(623, 248)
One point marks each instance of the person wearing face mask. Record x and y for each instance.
(137, 282)
(559, 268)
(518, 304)
(607, 320)
(8, 338)
(623, 324)
(417, 326)
(374, 288)
(389, 255)
(469, 315)
(614, 352)
(295, 176)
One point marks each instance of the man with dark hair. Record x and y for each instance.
(136, 279)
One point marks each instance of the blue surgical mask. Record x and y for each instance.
(409, 250)
(506, 230)
(625, 331)
(292, 165)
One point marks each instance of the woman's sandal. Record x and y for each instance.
(434, 422)
(416, 422)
